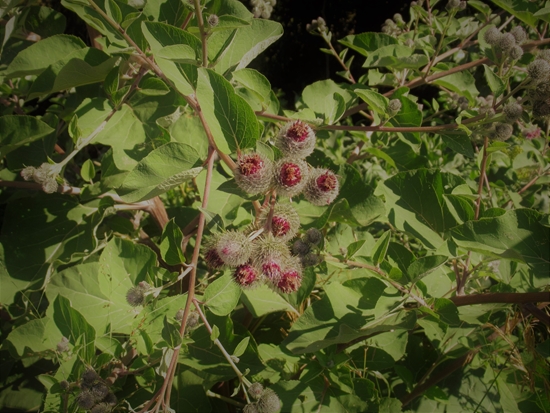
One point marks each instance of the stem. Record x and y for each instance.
(481, 178)
(210, 393)
(440, 43)
(337, 56)
(509, 298)
(204, 35)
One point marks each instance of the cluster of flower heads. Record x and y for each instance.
(507, 43)
(539, 94)
(267, 400)
(45, 175)
(291, 175)
(261, 253)
(394, 27)
(262, 8)
(95, 395)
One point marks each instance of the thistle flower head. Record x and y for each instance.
(492, 36)
(506, 41)
(269, 402)
(45, 175)
(519, 34)
(322, 187)
(515, 52)
(503, 131)
(110, 399)
(268, 254)
(512, 111)
(99, 390)
(251, 408)
(64, 384)
(544, 54)
(300, 247)
(193, 319)
(313, 236)
(539, 69)
(271, 269)
(290, 176)
(233, 248)
(136, 296)
(255, 390)
(101, 408)
(311, 260)
(254, 173)
(541, 108)
(284, 223)
(213, 20)
(245, 275)
(394, 106)
(291, 277)
(89, 376)
(296, 139)
(85, 400)
(452, 5)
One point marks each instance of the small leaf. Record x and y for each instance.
(241, 347)
(87, 172)
(354, 247)
(495, 83)
(170, 334)
(113, 11)
(74, 130)
(21, 130)
(381, 247)
(447, 311)
(222, 295)
(375, 100)
(170, 244)
(425, 265)
(215, 333)
(110, 85)
(152, 86)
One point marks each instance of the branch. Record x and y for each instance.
(511, 298)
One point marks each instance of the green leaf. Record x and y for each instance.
(447, 311)
(163, 169)
(113, 11)
(516, 235)
(37, 239)
(241, 347)
(381, 247)
(255, 82)
(390, 405)
(83, 67)
(409, 115)
(375, 100)
(263, 300)
(177, 53)
(459, 142)
(495, 83)
(462, 83)
(231, 120)
(170, 244)
(152, 86)
(87, 172)
(395, 56)
(172, 12)
(522, 9)
(425, 265)
(365, 43)
(32, 338)
(74, 326)
(38, 57)
(327, 99)
(222, 295)
(416, 204)
(20, 130)
(170, 334)
(215, 333)
(238, 48)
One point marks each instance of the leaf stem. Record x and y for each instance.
(204, 35)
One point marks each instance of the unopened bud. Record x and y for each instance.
(506, 42)
(541, 109)
(300, 247)
(512, 111)
(313, 236)
(492, 36)
(269, 402)
(135, 296)
(85, 400)
(233, 248)
(63, 345)
(503, 131)
(539, 70)
(213, 20)
(255, 390)
(519, 33)
(394, 107)
(515, 52)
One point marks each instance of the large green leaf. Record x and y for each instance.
(517, 235)
(416, 204)
(163, 169)
(522, 9)
(231, 120)
(18, 131)
(395, 56)
(327, 99)
(365, 43)
(38, 57)
(262, 300)
(462, 83)
(222, 295)
(345, 313)
(235, 50)
(41, 232)
(82, 67)
(33, 338)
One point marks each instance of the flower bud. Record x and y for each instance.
(63, 345)
(28, 173)
(213, 20)
(300, 247)
(85, 400)
(284, 223)
(313, 236)
(512, 111)
(254, 173)
(539, 70)
(322, 187)
(544, 55)
(251, 408)
(99, 391)
(233, 248)
(136, 296)
(269, 402)
(515, 52)
(492, 36)
(255, 390)
(193, 319)
(506, 42)
(179, 314)
(311, 260)
(268, 254)
(290, 176)
(398, 19)
(394, 107)
(101, 408)
(110, 399)
(452, 5)
(541, 108)
(503, 131)
(89, 376)
(245, 275)
(296, 139)
(64, 384)
(519, 34)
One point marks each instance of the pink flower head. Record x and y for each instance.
(290, 281)
(322, 187)
(245, 275)
(296, 139)
(254, 173)
(291, 176)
